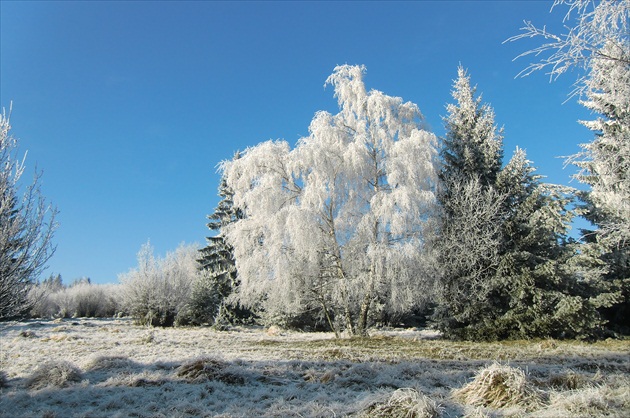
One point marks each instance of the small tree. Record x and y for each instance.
(27, 225)
(211, 302)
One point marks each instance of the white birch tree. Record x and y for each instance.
(338, 222)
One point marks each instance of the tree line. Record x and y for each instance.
(372, 219)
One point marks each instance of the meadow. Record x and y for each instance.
(113, 368)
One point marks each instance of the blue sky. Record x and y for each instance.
(127, 107)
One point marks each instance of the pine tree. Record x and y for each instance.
(27, 225)
(210, 303)
(540, 294)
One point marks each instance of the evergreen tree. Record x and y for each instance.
(508, 266)
(468, 244)
(27, 225)
(538, 292)
(210, 300)
(605, 167)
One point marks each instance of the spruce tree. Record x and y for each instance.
(468, 243)
(538, 293)
(508, 268)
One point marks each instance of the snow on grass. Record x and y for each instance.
(113, 368)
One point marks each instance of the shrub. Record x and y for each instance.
(158, 292)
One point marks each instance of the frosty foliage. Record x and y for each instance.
(337, 224)
(597, 31)
(157, 292)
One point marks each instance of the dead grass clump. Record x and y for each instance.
(499, 386)
(210, 369)
(406, 403)
(54, 373)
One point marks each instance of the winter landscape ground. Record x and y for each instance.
(113, 368)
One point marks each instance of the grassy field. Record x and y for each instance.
(112, 368)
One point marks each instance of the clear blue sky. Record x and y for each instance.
(127, 107)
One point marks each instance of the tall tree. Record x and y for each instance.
(27, 225)
(507, 265)
(337, 223)
(470, 221)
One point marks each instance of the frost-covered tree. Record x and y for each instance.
(471, 216)
(597, 31)
(539, 292)
(598, 43)
(210, 302)
(158, 291)
(338, 223)
(27, 225)
(508, 268)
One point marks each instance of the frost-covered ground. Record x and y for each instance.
(112, 368)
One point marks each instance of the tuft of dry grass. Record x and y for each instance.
(54, 373)
(406, 403)
(500, 386)
(208, 368)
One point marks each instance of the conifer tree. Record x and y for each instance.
(210, 303)
(598, 42)
(605, 167)
(508, 266)
(469, 240)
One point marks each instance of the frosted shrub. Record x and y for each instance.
(158, 291)
(54, 373)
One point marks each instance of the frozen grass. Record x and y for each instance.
(112, 368)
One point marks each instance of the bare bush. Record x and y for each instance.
(54, 373)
